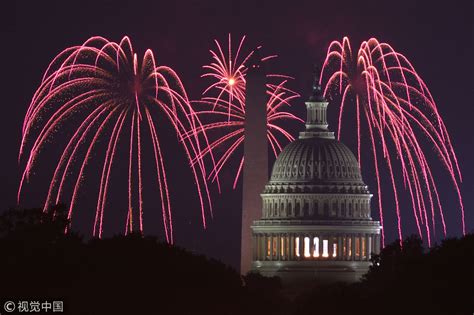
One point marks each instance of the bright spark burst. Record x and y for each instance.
(104, 85)
(395, 106)
(223, 109)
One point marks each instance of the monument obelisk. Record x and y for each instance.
(255, 172)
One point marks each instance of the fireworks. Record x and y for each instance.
(222, 109)
(394, 104)
(228, 72)
(104, 84)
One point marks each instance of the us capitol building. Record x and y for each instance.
(315, 223)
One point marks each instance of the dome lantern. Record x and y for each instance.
(316, 113)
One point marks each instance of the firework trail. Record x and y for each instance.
(394, 104)
(103, 84)
(221, 110)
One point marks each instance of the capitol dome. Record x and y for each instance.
(316, 161)
(316, 219)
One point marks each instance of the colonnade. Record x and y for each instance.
(286, 207)
(313, 246)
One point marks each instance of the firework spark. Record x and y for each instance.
(222, 108)
(394, 104)
(228, 74)
(104, 84)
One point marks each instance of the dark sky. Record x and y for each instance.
(436, 36)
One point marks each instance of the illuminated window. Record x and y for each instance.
(334, 250)
(363, 248)
(287, 243)
(297, 247)
(275, 247)
(282, 247)
(316, 247)
(344, 247)
(306, 247)
(349, 247)
(269, 245)
(325, 248)
(357, 247)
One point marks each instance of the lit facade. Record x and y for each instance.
(316, 220)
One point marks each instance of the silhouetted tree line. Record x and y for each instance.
(140, 275)
(119, 275)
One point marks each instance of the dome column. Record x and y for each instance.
(353, 247)
(292, 247)
(330, 244)
(266, 248)
(255, 246)
(271, 246)
(359, 241)
(301, 246)
(339, 247)
(320, 245)
(348, 254)
(263, 247)
(369, 245)
(377, 244)
(278, 247)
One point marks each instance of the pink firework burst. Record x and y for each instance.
(395, 106)
(228, 72)
(222, 108)
(117, 98)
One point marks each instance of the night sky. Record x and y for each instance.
(436, 36)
